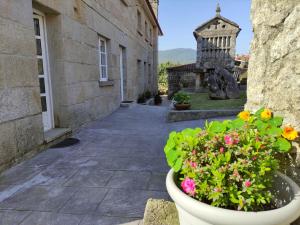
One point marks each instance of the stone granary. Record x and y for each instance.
(216, 44)
(64, 63)
(216, 41)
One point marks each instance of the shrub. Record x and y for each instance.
(231, 164)
(157, 99)
(141, 99)
(147, 94)
(182, 98)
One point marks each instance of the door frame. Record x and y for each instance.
(122, 72)
(46, 65)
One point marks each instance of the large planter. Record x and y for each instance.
(193, 212)
(182, 106)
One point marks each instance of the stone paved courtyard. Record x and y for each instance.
(104, 180)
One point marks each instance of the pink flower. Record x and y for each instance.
(228, 140)
(193, 164)
(221, 150)
(194, 152)
(247, 183)
(188, 185)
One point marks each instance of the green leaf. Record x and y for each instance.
(228, 156)
(178, 165)
(237, 123)
(217, 127)
(276, 121)
(258, 112)
(274, 131)
(172, 156)
(261, 126)
(283, 145)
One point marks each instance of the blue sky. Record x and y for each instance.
(179, 18)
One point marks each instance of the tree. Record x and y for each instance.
(163, 75)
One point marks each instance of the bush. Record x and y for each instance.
(157, 99)
(147, 94)
(182, 98)
(231, 164)
(141, 99)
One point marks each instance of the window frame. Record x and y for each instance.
(146, 31)
(105, 53)
(139, 20)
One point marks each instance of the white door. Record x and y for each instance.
(43, 70)
(122, 73)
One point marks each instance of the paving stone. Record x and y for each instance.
(129, 180)
(39, 198)
(155, 164)
(158, 182)
(46, 218)
(127, 202)
(18, 175)
(57, 176)
(90, 178)
(85, 201)
(76, 162)
(9, 217)
(43, 159)
(104, 220)
(122, 154)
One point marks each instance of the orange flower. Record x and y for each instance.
(290, 133)
(266, 114)
(245, 115)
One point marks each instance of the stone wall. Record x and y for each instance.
(274, 67)
(73, 28)
(180, 80)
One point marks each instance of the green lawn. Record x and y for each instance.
(202, 101)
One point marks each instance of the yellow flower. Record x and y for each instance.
(290, 133)
(245, 115)
(266, 114)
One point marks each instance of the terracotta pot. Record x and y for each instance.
(193, 212)
(182, 106)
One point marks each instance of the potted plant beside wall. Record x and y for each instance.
(182, 101)
(227, 173)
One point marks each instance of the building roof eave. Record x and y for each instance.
(160, 32)
(217, 17)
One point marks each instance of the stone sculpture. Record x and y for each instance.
(222, 84)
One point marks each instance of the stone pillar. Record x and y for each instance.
(197, 86)
(274, 67)
(199, 82)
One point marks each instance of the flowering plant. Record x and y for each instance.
(231, 164)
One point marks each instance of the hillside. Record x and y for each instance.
(178, 55)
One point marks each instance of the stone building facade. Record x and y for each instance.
(64, 63)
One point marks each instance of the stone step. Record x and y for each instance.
(158, 212)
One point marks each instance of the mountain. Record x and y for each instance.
(178, 55)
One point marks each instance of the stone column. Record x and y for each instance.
(199, 81)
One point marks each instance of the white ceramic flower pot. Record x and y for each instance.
(193, 212)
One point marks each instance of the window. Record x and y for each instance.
(146, 30)
(103, 59)
(151, 37)
(139, 17)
